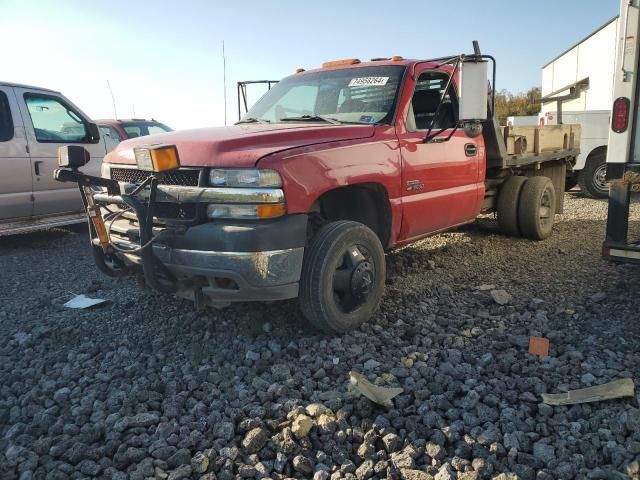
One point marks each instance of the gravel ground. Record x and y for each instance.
(144, 387)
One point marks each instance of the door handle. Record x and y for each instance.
(36, 166)
(470, 149)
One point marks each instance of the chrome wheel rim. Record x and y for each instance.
(545, 213)
(600, 177)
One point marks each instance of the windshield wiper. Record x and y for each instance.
(311, 118)
(253, 120)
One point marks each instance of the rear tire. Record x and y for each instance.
(592, 178)
(537, 208)
(507, 207)
(343, 277)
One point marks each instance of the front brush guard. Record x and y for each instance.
(105, 258)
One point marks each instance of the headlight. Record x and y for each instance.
(267, 210)
(105, 170)
(244, 177)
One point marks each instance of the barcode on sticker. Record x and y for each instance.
(366, 81)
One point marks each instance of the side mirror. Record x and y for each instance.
(473, 91)
(73, 156)
(93, 132)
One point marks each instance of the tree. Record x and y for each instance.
(508, 104)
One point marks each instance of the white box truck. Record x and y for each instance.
(623, 154)
(577, 88)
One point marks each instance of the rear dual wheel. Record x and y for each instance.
(526, 207)
(343, 277)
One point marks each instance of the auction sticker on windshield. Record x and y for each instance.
(366, 81)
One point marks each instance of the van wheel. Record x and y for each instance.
(537, 208)
(593, 177)
(507, 208)
(343, 277)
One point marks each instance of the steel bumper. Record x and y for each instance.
(268, 275)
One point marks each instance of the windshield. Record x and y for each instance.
(349, 95)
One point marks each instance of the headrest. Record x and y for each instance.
(425, 101)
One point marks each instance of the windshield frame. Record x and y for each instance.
(389, 119)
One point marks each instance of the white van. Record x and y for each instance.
(34, 122)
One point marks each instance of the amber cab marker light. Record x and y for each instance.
(340, 63)
(396, 58)
(157, 158)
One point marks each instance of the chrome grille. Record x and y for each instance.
(189, 178)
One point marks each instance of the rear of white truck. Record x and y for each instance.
(623, 155)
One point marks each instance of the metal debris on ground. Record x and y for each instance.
(539, 346)
(607, 391)
(380, 395)
(82, 301)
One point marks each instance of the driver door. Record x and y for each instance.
(50, 121)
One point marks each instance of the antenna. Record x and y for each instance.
(224, 80)
(113, 100)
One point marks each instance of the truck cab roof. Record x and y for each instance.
(30, 87)
(375, 62)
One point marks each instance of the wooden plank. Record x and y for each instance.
(546, 138)
(554, 137)
(527, 131)
(608, 391)
(576, 134)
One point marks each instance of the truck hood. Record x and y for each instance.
(239, 145)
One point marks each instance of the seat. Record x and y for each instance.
(425, 104)
(349, 106)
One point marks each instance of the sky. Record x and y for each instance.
(163, 59)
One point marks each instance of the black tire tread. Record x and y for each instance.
(507, 205)
(528, 207)
(311, 279)
(585, 176)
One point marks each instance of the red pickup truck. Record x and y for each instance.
(327, 171)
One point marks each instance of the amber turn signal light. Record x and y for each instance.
(157, 158)
(271, 210)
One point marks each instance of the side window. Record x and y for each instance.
(426, 98)
(300, 100)
(110, 132)
(133, 131)
(153, 129)
(54, 121)
(6, 122)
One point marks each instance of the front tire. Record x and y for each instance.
(343, 277)
(592, 178)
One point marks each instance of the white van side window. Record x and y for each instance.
(54, 121)
(6, 122)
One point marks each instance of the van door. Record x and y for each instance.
(52, 121)
(15, 166)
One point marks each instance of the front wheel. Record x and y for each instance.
(343, 277)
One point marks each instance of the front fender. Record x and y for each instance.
(308, 172)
